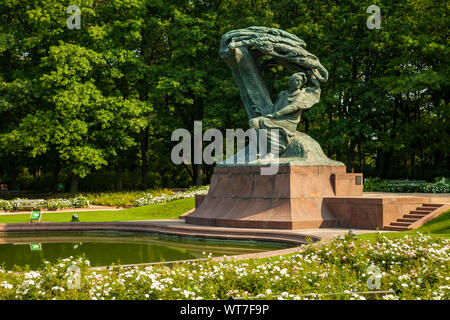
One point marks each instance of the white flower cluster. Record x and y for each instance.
(162, 198)
(414, 268)
(52, 204)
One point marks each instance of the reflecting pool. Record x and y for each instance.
(103, 249)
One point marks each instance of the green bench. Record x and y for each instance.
(35, 247)
(35, 216)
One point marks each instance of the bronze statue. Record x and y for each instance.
(241, 50)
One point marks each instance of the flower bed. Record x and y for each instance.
(116, 199)
(51, 204)
(413, 267)
(151, 198)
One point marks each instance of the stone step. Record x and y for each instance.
(400, 224)
(432, 205)
(410, 220)
(425, 209)
(414, 216)
(421, 213)
(393, 228)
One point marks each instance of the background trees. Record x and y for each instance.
(99, 104)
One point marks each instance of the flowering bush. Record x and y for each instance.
(6, 205)
(116, 199)
(25, 204)
(79, 202)
(440, 185)
(413, 267)
(166, 197)
(52, 204)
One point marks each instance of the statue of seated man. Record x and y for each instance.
(287, 111)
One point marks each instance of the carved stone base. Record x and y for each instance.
(292, 199)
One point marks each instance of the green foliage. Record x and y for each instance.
(440, 185)
(374, 184)
(108, 96)
(122, 199)
(6, 205)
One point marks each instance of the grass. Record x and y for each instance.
(168, 210)
(438, 227)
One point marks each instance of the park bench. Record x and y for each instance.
(35, 216)
(31, 204)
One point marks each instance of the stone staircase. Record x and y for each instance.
(416, 218)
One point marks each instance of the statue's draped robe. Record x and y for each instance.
(286, 123)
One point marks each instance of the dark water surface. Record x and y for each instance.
(103, 249)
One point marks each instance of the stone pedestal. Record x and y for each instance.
(291, 199)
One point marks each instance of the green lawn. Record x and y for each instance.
(168, 210)
(438, 227)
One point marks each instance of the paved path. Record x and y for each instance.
(322, 233)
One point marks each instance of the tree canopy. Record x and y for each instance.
(104, 99)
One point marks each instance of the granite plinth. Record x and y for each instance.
(291, 199)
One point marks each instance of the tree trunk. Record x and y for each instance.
(386, 160)
(37, 171)
(13, 175)
(144, 149)
(351, 156)
(119, 184)
(209, 172)
(56, 175)
(361, 158)
(74, 184)
(198, 174)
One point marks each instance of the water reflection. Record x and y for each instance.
(124, 248)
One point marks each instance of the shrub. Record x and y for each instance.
(440, 185)
(161, 197)
(6, 205)
(79, 202)
(117, 199)
(54, 204)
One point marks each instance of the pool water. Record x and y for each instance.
(103, 249)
